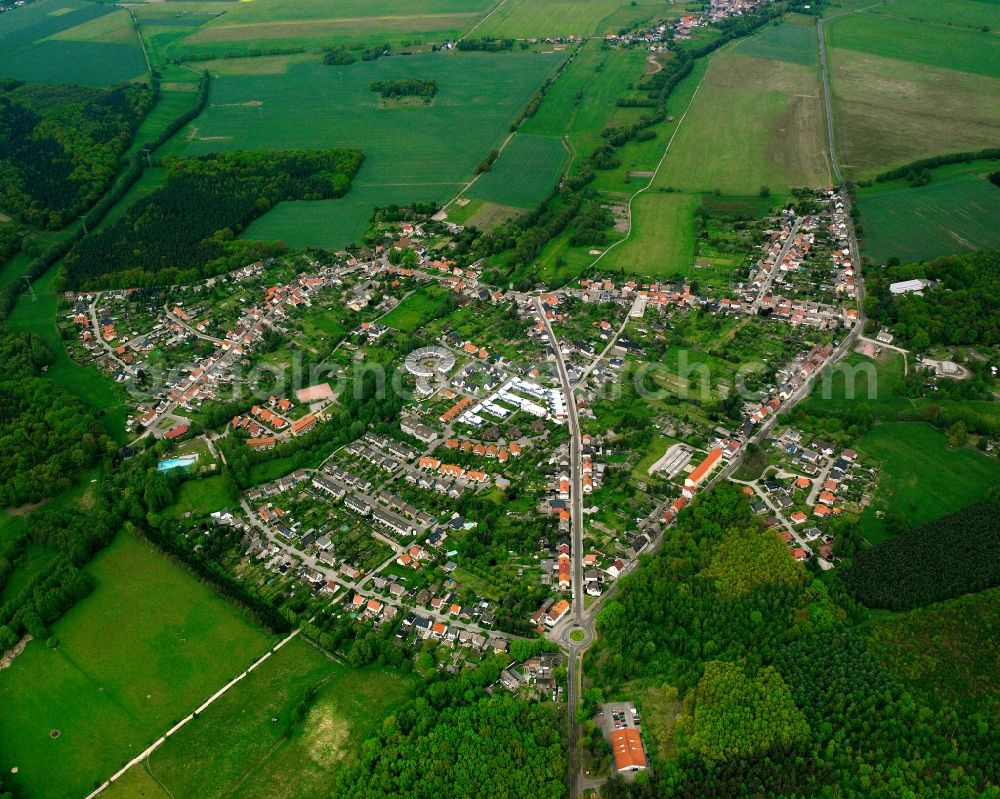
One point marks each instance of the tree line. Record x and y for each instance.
(924, 164)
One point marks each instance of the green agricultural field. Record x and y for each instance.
(69, 41)
(524, 174)
(581, 103)
(793, 39)
(334, 223)
(249, 742)
(412, 152)
(662, 240)
(754, 122)
(522, 19)
(932, 44)
(147, 647)
(955, 212)
(312, 24)
(890, 112)
(417, 309)
(482, 215)
(962, 13)
(178, 94)
(922, 477)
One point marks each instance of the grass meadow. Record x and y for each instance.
(199, 497)
(955, 212)
(147, 647)
(662, 240)
(847, 386)
(417, 309)
(480, 214)
(526, 171)
(249, 743)
(754, 122)
(921, 476)
(69, 41)
(412, 152)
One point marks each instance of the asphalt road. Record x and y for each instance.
(576, 552)
(776, 266)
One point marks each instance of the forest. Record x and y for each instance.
(939, 560)
(781, 694)
(10, 239)
(188, 229)
(60, 146)
(47, 436)
(454, 740)
(963, 307)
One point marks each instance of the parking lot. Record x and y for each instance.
(618, 716)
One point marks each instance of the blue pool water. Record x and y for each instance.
(175, 463)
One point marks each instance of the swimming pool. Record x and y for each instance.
(175, 463)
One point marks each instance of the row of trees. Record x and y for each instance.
(487, 44)
(924, 164)
(188, 228)
(60, 146)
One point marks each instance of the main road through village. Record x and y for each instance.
(579, 619)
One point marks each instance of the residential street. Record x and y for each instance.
(765, 288)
